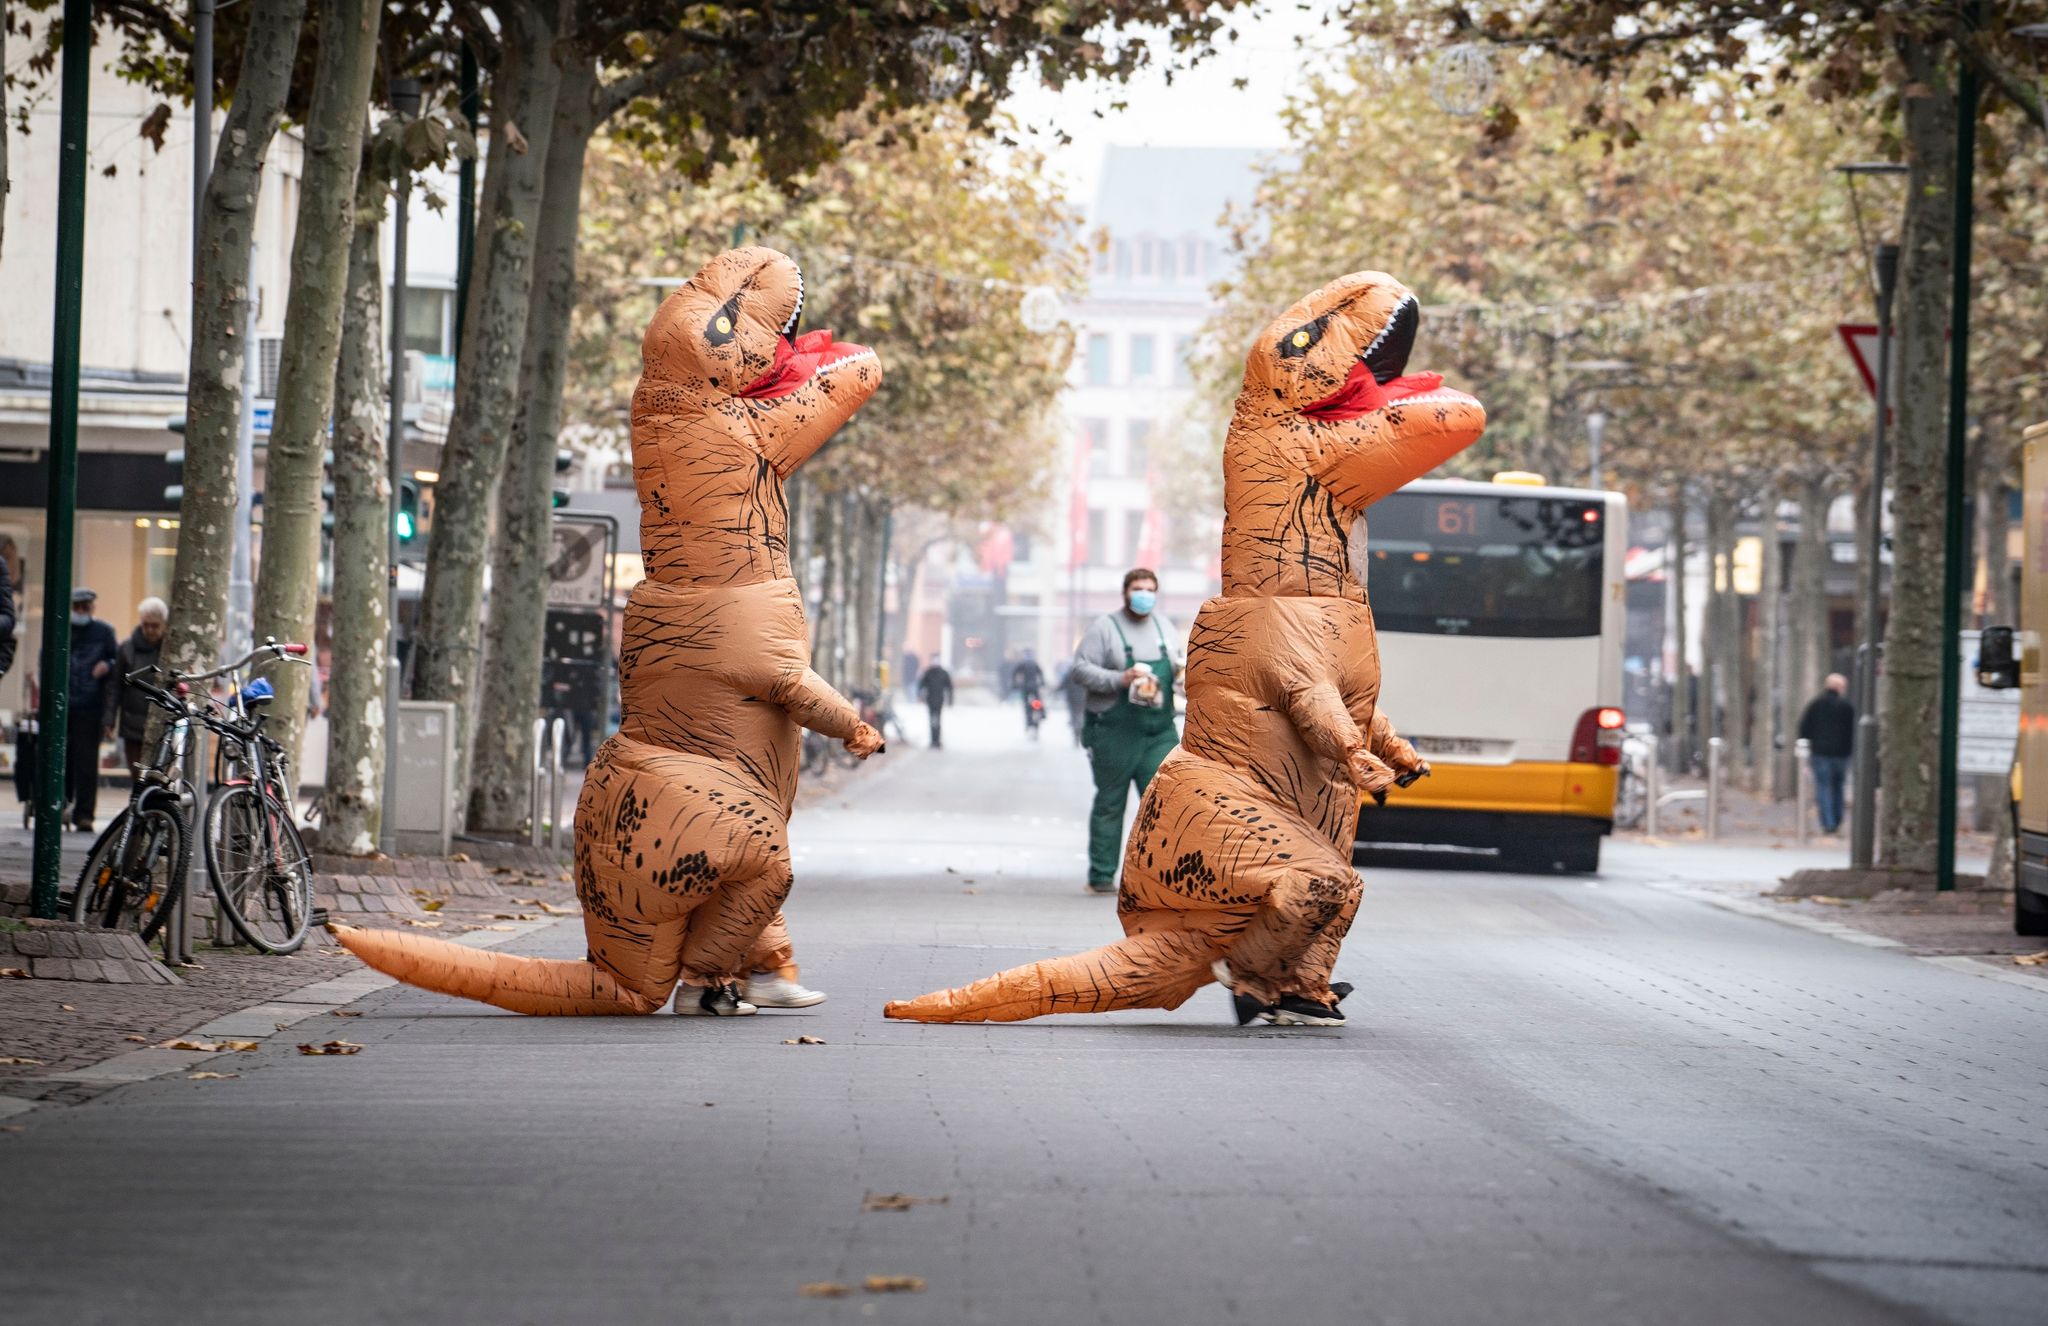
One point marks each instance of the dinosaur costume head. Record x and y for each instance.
(1330, 421)
(732, 399)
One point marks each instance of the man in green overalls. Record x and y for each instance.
(1127, 667)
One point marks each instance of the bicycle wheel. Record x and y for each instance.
(139, 890)
(259, 868)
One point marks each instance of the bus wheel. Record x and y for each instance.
(2029, 919)
(1579, 856)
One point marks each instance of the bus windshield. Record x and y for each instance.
(1485, 565)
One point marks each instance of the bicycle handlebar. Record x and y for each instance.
(288, 652)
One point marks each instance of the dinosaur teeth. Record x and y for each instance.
(789, 328)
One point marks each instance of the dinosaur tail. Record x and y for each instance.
(539, 986)
(1158, 970)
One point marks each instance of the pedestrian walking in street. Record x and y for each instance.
(141, 652)
(1127, 668)
(1828, 726)
(936, 686)
(93, 653)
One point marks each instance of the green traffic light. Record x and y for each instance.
(402, 522)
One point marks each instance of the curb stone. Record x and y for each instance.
(258, 1021)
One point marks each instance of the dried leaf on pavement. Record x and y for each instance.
(424, 925)
(898, 1201)
(2033, 959)
(69, 1008)
(806, 1040)
(197, 1047)
(433, 904)
(242, 1047)
(526, 902)
(458, 856)
(331, 1047)
(895, 1284)
(825, 1289)
(347, 1013)
(13, 974)
(553, 910)
(18, 1062)
(208, 1077)
(497, 927)
(140, 1040)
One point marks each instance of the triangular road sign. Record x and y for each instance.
(1861, 339)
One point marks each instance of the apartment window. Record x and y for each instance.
(1096, 431)
(1183, 351)
(1166, 252)
(1191, 257)
(1136, 454)
(1145, 247)
(1098, 359)
(1142, 366)
(1098, 537)
(1123, 260)
(1134, 534)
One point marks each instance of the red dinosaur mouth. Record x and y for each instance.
(1363, 392)
(798, 360)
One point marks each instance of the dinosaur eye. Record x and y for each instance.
(1298, 342)
(720, 329)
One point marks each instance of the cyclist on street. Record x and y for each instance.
(1028, 680)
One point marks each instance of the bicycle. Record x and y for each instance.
(261, 872)
(135, 872)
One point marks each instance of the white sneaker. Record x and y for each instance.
(711, 1001)
(769, 990)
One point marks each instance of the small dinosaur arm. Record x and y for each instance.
(682, 841)
(1241, 848)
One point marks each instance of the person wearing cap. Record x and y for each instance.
(142, 652)
(94, 651)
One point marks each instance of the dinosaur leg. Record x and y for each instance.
(1292, 940)
(729, 927)
(625, 978)
(1159, 969)
(773, 951)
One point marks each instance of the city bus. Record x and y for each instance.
(1500, 609)
(2013, 656)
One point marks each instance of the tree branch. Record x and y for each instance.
(611, 97)
(476, 30)
(2017, 89)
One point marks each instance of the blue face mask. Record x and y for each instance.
(1142, 601)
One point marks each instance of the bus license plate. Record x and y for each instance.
(1455, 745)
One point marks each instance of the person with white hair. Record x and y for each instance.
(141, 652)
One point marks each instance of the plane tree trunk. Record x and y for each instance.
(1681, 672)
(352, 805)
(1914, 648)
(220, 303)
(287, 587)
(447, 640)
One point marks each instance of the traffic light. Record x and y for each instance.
(564, 461)
(406, 523)
(327, 507)
(175, 493)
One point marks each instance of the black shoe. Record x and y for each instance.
(1294, 1011)
(1338, 989)
(1245, 1007)
(712, 1001)
(1097, 886)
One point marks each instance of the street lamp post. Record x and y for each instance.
(405, 103)
(1596, 428)
(1884, 282)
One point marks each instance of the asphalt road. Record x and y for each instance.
(1560, 1100)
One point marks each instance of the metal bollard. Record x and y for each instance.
(181, 924)
(1653, 784)
(1715, 746)
(555, 784)
(534, 805)
(1802, 756)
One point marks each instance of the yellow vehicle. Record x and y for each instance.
(1500, 609)
(2010, 657)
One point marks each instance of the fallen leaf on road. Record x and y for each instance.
(143, 1040)
(512, 916)
(433, 904)
(553, 910)
(825, 1289)
(13, 974)
(2032, 959)
(895, 1284)
(241, 1047)
(458, 856)
(197, 1047)
(527, 902)
(332, 1047)
(346, 1013)
(568, 878)
(424, 925)
(897, 1201)
(806, 1040)
(69, 1008)
(20, 1062)
(12, 1128)
(208, 1077)
(503, 870)
(497, 927)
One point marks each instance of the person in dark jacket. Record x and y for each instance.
(93, 651)
(141, 652)
(6, 610)
(936, 686)
(1828, 726)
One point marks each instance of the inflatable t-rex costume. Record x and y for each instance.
(682, 843)
(1241, 850)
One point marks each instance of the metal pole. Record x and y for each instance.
(1802, 754)
(1715, 745)
(60, 506)
(195, 878)
(465, 194)
(1958, 406)
(1653, 785)
(555, 728)
(1596, 429)
(882, 600)
(533, 796)
(1863, 813)
(401, 201)
(241, 573)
